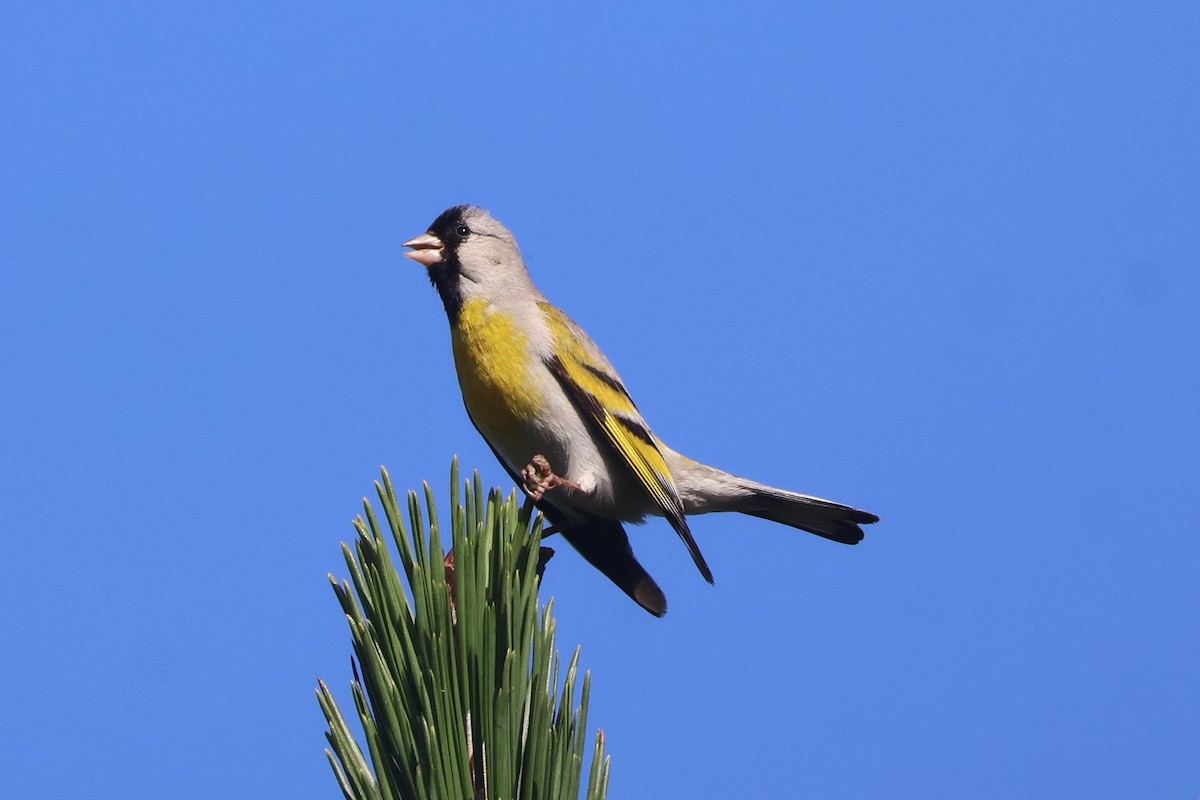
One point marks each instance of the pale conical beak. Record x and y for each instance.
(426, 250)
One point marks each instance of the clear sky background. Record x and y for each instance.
(938, 260)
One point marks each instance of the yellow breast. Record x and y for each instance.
(495, 372)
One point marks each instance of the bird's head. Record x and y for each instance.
(468, 253)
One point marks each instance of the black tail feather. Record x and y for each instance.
(833, 521)
(606, 547)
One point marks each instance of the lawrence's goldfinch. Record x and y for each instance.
(560, 420)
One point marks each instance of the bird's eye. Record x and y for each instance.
(463, 231)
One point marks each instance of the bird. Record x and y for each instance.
(559, 419)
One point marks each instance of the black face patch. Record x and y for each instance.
(452, 228)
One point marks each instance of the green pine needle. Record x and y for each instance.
(456, 698)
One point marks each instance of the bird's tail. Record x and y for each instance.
(823, 517)
(705, 489)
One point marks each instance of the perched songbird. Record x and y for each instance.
(560, 420)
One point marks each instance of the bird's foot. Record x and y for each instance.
(539, 478)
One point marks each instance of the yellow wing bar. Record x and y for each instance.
(601, 396)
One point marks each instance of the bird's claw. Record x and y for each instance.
(539, 478)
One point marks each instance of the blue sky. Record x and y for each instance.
(941, 261)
